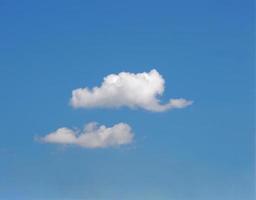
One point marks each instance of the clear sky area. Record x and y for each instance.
(127, 100)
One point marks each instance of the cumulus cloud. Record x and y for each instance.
(139, 90)
(92, 136)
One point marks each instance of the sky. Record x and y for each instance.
(131, 100)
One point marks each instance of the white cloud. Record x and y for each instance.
(139, 90)
(92, 136)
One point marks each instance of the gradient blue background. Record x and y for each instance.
(204, 50)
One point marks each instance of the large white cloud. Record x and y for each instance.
(92, 136)
(139, 90)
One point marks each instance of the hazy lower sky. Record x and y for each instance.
(171, 117)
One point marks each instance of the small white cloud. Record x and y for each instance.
(92, 136)
(127, 89)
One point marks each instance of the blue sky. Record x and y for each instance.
(204, 51)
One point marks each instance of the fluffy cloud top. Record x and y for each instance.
(139, 90)
(92, 136)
